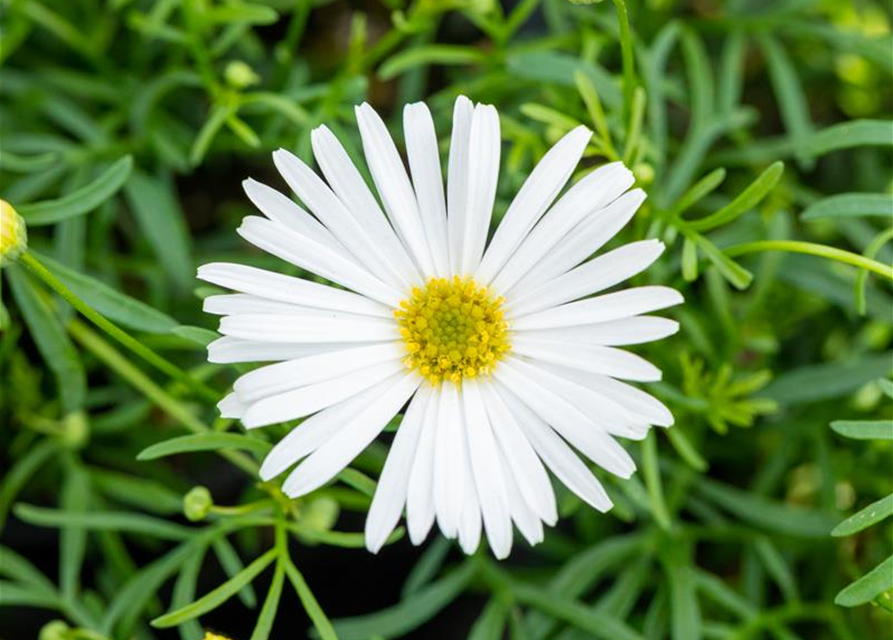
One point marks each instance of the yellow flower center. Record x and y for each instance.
(13, 236)
(453, 329)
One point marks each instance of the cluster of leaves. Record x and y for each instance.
(124, 125)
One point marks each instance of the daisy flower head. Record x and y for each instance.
(503, 356)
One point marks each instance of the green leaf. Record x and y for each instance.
(15, 566)
(886, 387)
(699, 190)
(53, 343)
(75, 498)
(109, 302)
(651, 473)
(411, 612)
(869, 586)
(240, 12)
(321, 622)
(789, 93)
(846, 135)
(203, 442)
(767, 514)
(864, 429)
(560, 68)
(157, 210)
(828, 380)
(850, 205)
(864, 518)
(491, 623)
(690, 259)
(103, 521)
(184, 592)
(218, 596)
(685, 613)
(199, 335)
(777, 567)
(271, 605)
(21, 471)
(232, 565)
(81, 201)
(744, 202)
(427, 566)
(137, 491)
(738, 276)
(426, 55)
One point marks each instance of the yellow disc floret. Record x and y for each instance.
(453, 329)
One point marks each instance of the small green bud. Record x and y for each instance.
(240, 75)
(197, 504)
(54, 630)
(644, 173)
(320, 514)
(13, 234)
(75, 430)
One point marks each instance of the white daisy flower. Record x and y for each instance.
(505, 365)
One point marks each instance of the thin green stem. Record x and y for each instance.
(626, 51)
(173, 407)
(113, 330)
(862, 278)
(794, 246)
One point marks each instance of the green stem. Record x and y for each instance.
(626, 51)
(862, 278)
(145, 385)
(810, 248)
(134, 345)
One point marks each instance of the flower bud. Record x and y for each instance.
(320, 514)
(13, 236)
(75, 430)
(239, 75)
(197, 504)
(54, 630)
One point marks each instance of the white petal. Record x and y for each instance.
(449, 446)
(298, 403)
(488, 471)
(457, 179)
(318, 429)
(590, 194)
(565, 418)
(427, 180)
(484, 148)
(604, 308)
(276, 286)
(331, 211)
(322, 465)
(304, 252)
(557, 455)
(420, 495)
(390, 495)
(239, 303)
(350, 187)
(228, 350)
(530, 526)
(584, 239)
(231, 406)
(531, 477)
(635, 330)
(470, 519)
(535, 196)
(588, 357)
(333, 326)
(282, 209)
(393, 186)
(591, 277)
(284, 376)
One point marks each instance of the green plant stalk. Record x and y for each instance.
(626, 51)
(134, 345)
(862, 278)
(831, 253)
(173, 407)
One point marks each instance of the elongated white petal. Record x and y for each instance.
(535, 196)
(484, 148)
(345, 180)
(318, 429)
(427, 180)
(322, 465)
(448, 462)
(604, 308)
(420, 495)
(591, 277)
(557, 455)
(333, 326)
(298, 403)
(231, 406)
(584, 239)
(593, 192)
(308, 254)
(227, 350)
(530, 526)
(390, 495)
(635, 330)
(530, 476)
(588, 357)
(335, 216)
(487, 471)
(565, 418)
(470, 519)
(284, 376)
(393, 186)
(457, 179)
(277, 286)
(239, 303)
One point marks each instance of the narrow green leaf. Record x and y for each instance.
(491, 623)
(136, 491)
(855, 133)
(232, 565)
(26, 164)
(864, 429)
(103, 521)
(777, 567)
(851, 205)
(199, 335)
(685, 616)
(789, 94)
(184, 592)
(738, 276)
(559, 68)
(651, 473)
(886, 387)
(240, 12)
(700, 189)
(745, 201)
(75, 497)
(114, 305)
(427, 55)
(321, 623)
(864, 518)
(827, 380)
(869, 586)
(81, 201)
(218, 596)
(207, 133)
(203, 442)
(15, 566)
(690, 259)
(427, 566)
(271, 605)
(21, 471)
(731, 73)
(53, 343)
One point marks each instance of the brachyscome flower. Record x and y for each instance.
(506, 362)
(13, 234)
